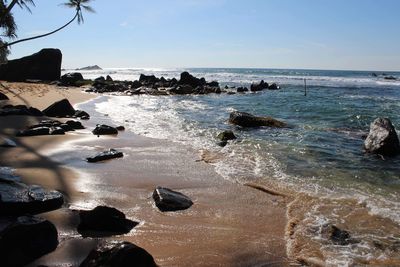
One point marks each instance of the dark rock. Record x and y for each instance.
(46, 123)
(76, 125)
(182, 90)
(242, 89)
(169, 200)
(226, 135)
(213, 84)
(118, 254)
(390, 78)
(71, 79)
(336, 235)
(259, 86)
(136, 84)
(120, 128)
(3, 96)
(382, 138)
(104, 130)
(231, 93)
(188, 79)
(83, 115)
(25, 239)
(109, 79)
(18, 199)
(20, 110)
(56, 131)
(60, 108)
(111, 154)
(104, 219)
(66, 127)
(222, 143)
(94, 67)
(146, 80)
(34, 132)
(44, 65)
(248, 120)
(100, 79)
(374, 74)
(5, 142)
(273, 86)
(35, 112)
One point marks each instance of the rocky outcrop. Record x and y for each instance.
(18, 199)
(248, 120)
(110, 154)
(242, 89)
(71, 79)
(20, 110)
(94, 67)
(25, 239)
(104, 219)
(118, 254)
(169, 200)
(62, 108)
(104, 130)
(3, 96)
(382, 138)
(44, 65)
(258, 86)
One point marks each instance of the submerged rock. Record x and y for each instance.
(104, 130)
(336, 235)
(104, 219)
(226, 135)
(25, 239)
(62, 108)
(110, 154)
(169, 200)
(248, 120)
(118, 254)
(382, 138)
(18, 199)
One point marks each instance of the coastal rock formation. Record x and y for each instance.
(169, 200)
(382, 138)
(44, 65)
(118, 254)
(51, 127)
(3, 96)
(62, 108)
(110, 154)
(104, 130)
(71, 79)
(25, 239)
(248, 120)
(258, 86)
(18, 199)
(104, 219)
(20, 110)
(94, 67)
(242, 89)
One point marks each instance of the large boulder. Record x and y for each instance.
(188, 79)
(382, 138)
(25, 239)
(34, 132)
(226, 135)
(62, 108)
(104, 219)
(110, 154)
(118, 254)
(248, 120)
(71, 79)
(169, 200)
(148, 79)
(44, 65)
(18, 199)
(20, 110)
(259, 86)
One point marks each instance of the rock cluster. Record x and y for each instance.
(51, 127)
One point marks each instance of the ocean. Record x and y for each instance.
(318, 160)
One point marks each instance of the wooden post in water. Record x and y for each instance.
(305, 87)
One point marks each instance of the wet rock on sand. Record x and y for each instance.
(71, 79)
(104, 130)
(104, 219)
(25, 239)
(224, 137)
(248, 120)
(18, 199)
(110, 154)
(382, 138)
(169, 200)
(3, 96)
(118, 254)
(20, 110)
(62, 108)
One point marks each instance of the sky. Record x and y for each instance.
(301, 34)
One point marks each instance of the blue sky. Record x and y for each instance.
(322, 34)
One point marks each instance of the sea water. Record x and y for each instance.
(320, 156)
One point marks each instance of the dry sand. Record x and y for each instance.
(229, 224)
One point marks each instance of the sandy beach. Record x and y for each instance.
(228, 225)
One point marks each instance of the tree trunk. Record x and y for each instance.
(40, 36)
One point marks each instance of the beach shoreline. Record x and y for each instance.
(223, 229)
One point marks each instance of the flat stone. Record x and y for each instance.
(169, 200)
(110, 154)
(18, 199)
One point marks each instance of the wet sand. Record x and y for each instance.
(228, 225)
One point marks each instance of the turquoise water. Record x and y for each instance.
(320, 154)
